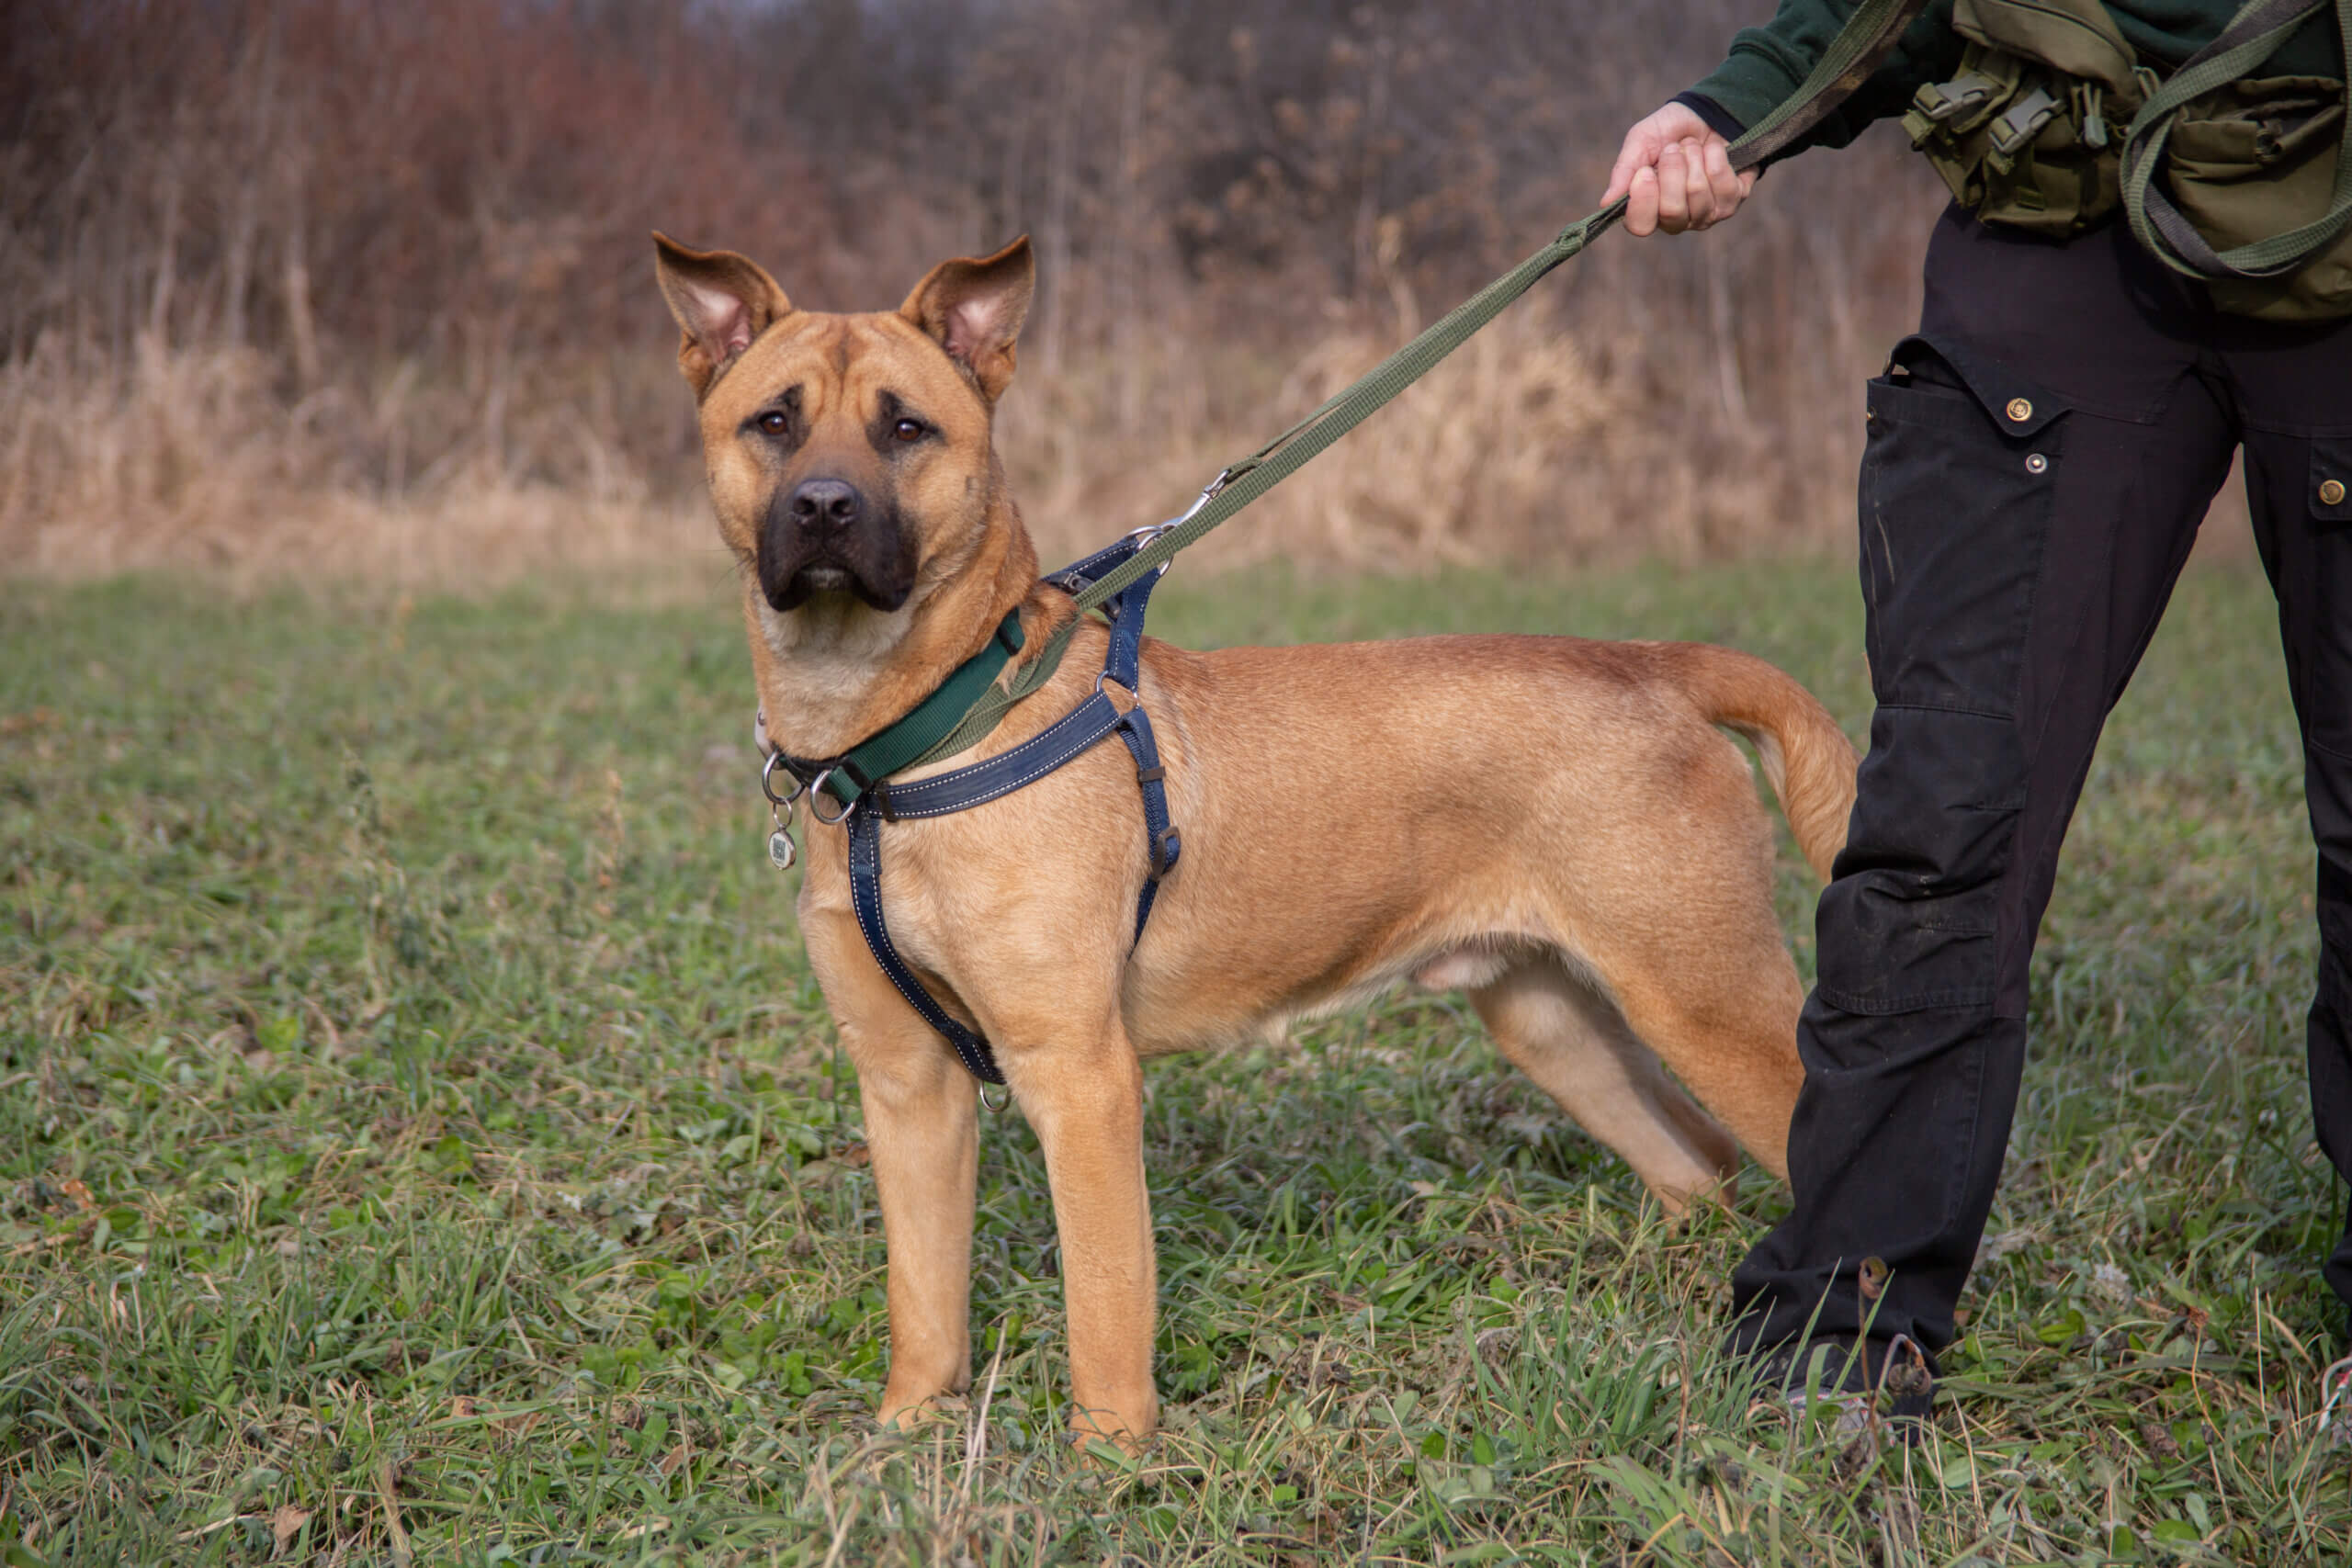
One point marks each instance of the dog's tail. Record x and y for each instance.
(1806, 756)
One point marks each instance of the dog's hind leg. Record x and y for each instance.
(1571, 1038)
(1723, 1015)
(1678, 928)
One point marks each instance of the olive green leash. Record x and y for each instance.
(1852, 57)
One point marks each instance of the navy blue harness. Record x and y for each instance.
(1072, 735)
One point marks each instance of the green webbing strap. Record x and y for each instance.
(918, 735)
(1851, 56)
(2251, 37)
(1866, 39)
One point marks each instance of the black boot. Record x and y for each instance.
(1893, 1380)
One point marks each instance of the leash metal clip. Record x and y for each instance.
(1145, 534)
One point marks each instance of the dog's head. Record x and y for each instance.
(850, 456)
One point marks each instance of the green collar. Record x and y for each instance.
(871, 760)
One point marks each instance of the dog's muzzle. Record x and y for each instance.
(824, 536)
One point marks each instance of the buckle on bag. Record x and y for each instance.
(2022, 122)
(2091, 99)
(1940, 101)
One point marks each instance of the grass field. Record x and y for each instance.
(420, 1141)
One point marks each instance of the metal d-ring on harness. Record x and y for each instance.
(1076, 732)
(1118, 581)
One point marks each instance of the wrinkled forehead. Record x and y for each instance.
(844, 363)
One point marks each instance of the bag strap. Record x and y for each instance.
(2251, 37)
(2076, 37)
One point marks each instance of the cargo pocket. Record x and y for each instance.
(1958, 478)
(1957, 498)
(1916, 898)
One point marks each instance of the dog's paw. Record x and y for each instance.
(907, 1416)
(1106, 1445)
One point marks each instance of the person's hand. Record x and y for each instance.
(1676, 174)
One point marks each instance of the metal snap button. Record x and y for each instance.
(2037, 464)
(2332, 493)
(2019, 412)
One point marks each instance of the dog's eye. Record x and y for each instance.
(775, 422)
(907, 430)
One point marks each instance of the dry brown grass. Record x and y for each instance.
(1524, 445)
(1527, 446)
(186, 462)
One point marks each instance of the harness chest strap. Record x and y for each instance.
(866, 764)
(872, 800)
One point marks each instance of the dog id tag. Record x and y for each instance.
(780, 849)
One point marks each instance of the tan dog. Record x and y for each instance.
(1553, 825)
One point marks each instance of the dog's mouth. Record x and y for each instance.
(793, 572)
(830, 579)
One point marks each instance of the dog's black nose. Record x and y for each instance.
(825, 504)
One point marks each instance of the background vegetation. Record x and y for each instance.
(288, 284)
(420, 1141)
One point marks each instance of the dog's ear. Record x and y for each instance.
(721, 301)
(974, 311)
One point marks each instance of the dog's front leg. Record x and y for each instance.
(921, 1128)
(1085, 1099)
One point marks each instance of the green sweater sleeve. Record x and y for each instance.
(1767, 63)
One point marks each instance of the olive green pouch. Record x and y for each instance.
(2027, 133)
(2243, 184)
(2244, 165)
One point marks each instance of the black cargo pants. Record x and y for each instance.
(2038, 459)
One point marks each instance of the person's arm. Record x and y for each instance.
(1766, 64)
(1675, 167)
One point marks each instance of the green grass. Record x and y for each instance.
(420, 1138)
